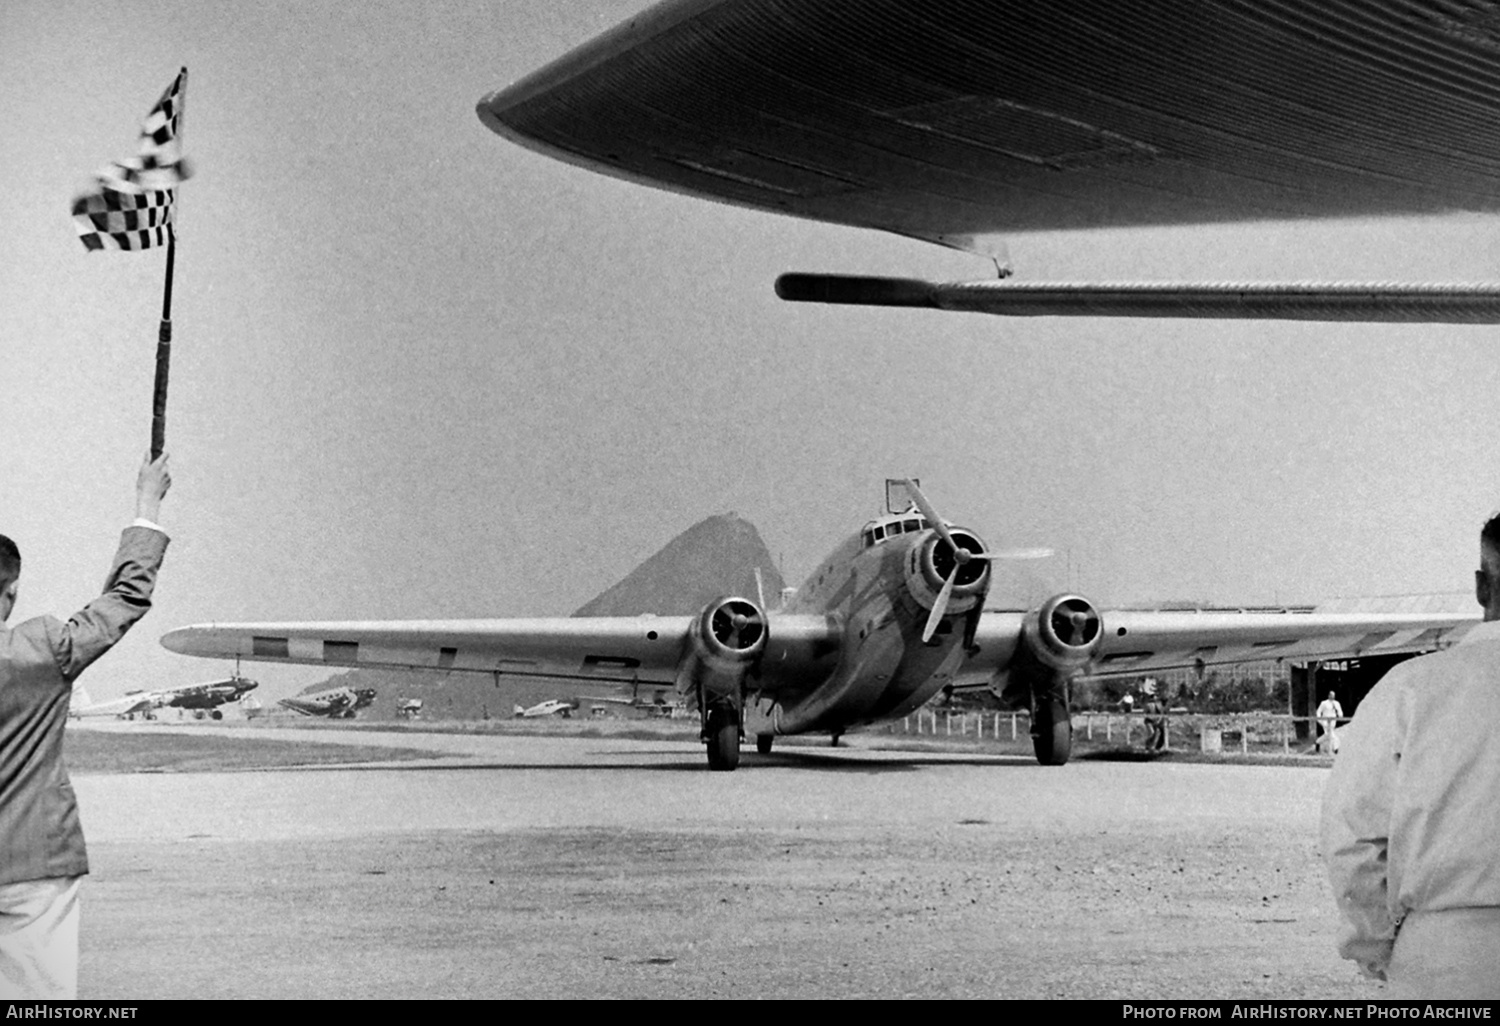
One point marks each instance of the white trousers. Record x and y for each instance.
(1328, 740)
(39, 939)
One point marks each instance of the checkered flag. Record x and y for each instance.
(131, 206)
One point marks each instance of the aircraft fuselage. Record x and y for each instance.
(880, 592)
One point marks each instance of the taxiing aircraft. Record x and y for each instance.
(339, 703)
(201, 699)
(960, 122)
(551, 707)
(890, 618)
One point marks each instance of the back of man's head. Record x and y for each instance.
(1489, 535)
(1487, 580)
(10, 562)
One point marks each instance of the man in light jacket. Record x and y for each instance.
(42, 854)
(1410, 834)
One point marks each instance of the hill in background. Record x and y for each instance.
(716, 557)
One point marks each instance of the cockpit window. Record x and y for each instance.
(911, 525)
(893, 529)
(879, 533)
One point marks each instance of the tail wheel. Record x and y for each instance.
(723, 741)
(1052, 733)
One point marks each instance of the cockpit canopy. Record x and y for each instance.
(877, 531)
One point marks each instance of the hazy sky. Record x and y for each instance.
(419, 371)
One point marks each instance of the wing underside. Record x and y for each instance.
(953, 119)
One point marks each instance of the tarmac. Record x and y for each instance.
(588, 867)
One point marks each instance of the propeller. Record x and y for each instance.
(736, 625)
(961, 557)
(1075, 623)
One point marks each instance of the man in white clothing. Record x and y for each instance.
(1409, 831)
(1329, 714)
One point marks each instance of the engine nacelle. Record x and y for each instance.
(1064, 633)
(930, 562)
(728, 638)
(1058, 639)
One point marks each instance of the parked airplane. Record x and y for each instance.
(656, 706)
(551, 707)
(201, 699)
(336, 703)
(890, 618)
(959, 122)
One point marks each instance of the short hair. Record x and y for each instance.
(10, 562)
(1490, 534)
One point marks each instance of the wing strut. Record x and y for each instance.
(1304, 301)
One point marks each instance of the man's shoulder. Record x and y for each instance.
(37, 637)
(38, 626)
(1477, 659)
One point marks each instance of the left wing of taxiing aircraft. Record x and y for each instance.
(611, 649)
(961, 122)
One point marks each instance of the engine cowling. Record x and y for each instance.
(728, 638)
(730, 631)
(1065, 632)
(930, 562)
(1058, 640)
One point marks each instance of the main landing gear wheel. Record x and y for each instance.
(763, 743)
(1052, 733)
(723, 741)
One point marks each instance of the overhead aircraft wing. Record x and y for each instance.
(950, 119)
(619, 649)
(961, 121)
(1295, 301)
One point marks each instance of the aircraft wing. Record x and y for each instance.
(128, 705)
(1141, 641)
(949, 120)
(625, 650)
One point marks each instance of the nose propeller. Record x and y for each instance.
(961, 557)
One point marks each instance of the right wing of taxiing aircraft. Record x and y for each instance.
(960, 122)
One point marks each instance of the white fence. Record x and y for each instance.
(1214, 732)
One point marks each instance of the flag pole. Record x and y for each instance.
(164, 333)
(163, 356)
